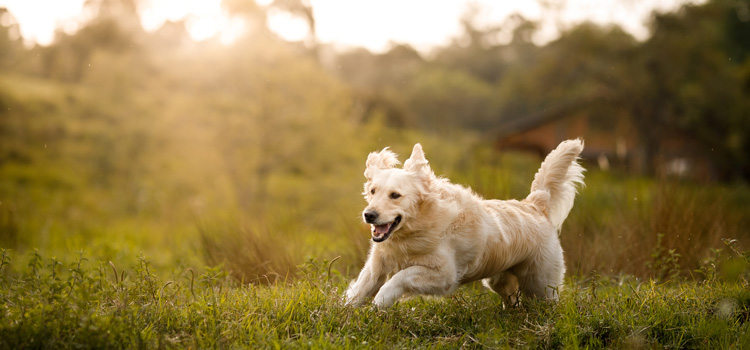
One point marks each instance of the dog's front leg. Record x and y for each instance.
(369, 281)
(416, 280)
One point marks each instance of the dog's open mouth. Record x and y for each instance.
(382, 232)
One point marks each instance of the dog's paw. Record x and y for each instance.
(351, 302)
(382, 303)
(385, 299)
(352, 297)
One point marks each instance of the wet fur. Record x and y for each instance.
(448, 235)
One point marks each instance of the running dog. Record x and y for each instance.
(430, 235)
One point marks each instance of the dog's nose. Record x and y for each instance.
(370, 216)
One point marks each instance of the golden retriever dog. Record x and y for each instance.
(430, 236)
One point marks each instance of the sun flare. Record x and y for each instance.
(374, 25)
(203, 19)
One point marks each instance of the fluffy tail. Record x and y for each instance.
(555, 184)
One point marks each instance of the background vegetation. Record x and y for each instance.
(207, 161)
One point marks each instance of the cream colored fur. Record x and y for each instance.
(447, 235)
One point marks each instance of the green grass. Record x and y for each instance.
(47, 303)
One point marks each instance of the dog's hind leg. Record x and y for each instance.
(539, 286)
(543, 277)
(504, 284)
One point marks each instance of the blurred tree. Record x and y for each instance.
(456, 88)
(690, 77)
(380, 80)
(480, 52)
(124, 11)
(442, 99)
(587, 63)
(114, 27)
(171, 35)
(689, 82)
(737, 19)
(392, 69)
(255, 14)
(11, 43)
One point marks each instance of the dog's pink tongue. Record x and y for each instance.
(382, 229)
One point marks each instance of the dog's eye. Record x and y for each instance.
(395, 195)
(372, 191)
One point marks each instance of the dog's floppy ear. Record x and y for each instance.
(417, 162)
(384, 159)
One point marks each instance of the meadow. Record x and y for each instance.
(48, 303)
(161, 193)
(651, 263)
(130, 257)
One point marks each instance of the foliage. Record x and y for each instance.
(694, 85)
(442, 98)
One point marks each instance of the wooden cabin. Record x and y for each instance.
(614, 143)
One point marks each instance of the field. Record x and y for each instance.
(652, 263)
(103, 250)
(48, 303)
(157, 192)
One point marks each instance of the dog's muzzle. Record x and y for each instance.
(381, 232)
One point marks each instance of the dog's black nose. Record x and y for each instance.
(370, 216)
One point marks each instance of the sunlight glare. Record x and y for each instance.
(287, 26)
(203, 27)
(204, 19)
(155, 12)
(375, 25)
(232, 30)
(39, 19)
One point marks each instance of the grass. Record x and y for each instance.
(47, 303)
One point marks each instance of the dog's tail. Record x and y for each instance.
(555, 184)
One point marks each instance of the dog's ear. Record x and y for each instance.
(384, 159)
(417, 162)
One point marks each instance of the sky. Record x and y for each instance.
(373, 24)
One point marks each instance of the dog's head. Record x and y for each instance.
(394, 195)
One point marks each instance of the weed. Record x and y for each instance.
(665, 263)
